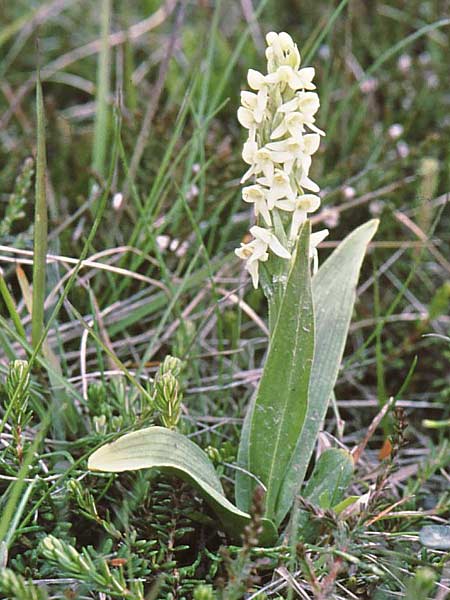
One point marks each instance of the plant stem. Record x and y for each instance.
(101, 109)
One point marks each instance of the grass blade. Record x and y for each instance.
(40, 224)
(11, 307)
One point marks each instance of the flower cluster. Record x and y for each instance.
(282, 137)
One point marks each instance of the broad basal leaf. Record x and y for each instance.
(171, 452)
(282, 397)
(334, 291)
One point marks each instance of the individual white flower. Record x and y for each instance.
(280, 186)
(315, 239)
(300, 207)
(293, 149)
(292, 123)
(269, 240)
(248, 252)
(306, 102)
(298, 112)
(296, 80)
(256, 80)
(255, 103)
(281, 51)
(262, 163)
(304, 181)
(286, 151)
(257, 195)
(246, 118)
(256, 251)
(249, 151)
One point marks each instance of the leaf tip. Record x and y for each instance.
(94, 461)
(373, 224)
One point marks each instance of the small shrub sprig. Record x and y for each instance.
(88, 507)
(167, 395)
(241, 571)
(18, 199)
(18, 393)
(81, 566)
(15, 587)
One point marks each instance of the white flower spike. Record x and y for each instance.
(279, 114)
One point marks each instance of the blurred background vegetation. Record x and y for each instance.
(160, 82)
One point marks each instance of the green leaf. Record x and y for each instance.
(345, 503)
(244, 482)
(40, 224)
(334, 293)
(330, 478)
(282, 397)
(173, 453)
(326, 488)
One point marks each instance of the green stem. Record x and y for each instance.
(101, 110)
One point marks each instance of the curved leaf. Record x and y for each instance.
(334, 292)
(171, 452)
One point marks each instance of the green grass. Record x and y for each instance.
(173, 286)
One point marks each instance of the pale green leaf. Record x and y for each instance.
(334, 292)
(330, 478)
(326, 488)
(244, 482)
(345, 503)
(282, 396)
(171, 452)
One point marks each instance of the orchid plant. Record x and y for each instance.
(309, 315)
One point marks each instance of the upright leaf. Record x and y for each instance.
(244, 481)
(334, 292)
(169, 451)
(282, 397)
(40, 224)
